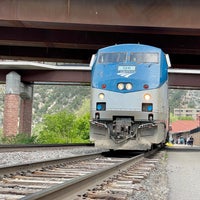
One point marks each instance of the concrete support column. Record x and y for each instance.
(26, 109)
(17, 106)
(11, 105)
(11, 114)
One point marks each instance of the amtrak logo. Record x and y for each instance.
(126, 71)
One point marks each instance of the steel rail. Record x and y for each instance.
(70, 189)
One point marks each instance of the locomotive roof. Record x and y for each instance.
(130, 47)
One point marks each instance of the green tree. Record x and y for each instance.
(63, 127)
(83, 126)
(174, 118)
(57, 128)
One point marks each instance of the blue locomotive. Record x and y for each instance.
(129, 97)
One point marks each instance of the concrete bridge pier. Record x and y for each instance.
(17, 106)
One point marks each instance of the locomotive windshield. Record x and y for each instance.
(144, 57)
(121, 57)
(118, 57)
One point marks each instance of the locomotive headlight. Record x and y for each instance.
(101, 96)
(147, 97)
(120, 86)
(129, 86)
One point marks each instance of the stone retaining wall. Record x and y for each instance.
(196, 137)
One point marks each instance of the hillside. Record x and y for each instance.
(51, 99)
(54, 98)
(184, 99)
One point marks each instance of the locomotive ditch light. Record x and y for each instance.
(101, 96)
(129, 86)
(147, 97)
(120, 86)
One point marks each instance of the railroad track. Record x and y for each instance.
(22, 180)
(83, 177)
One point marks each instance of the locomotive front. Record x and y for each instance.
(129, 105)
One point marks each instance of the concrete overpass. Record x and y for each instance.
(39, 73)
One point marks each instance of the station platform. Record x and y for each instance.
(182, 147)
(183, 170)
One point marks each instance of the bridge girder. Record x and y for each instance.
(176, 80)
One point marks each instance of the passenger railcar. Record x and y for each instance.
(129, 97)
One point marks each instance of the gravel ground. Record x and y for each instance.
(13, 158)
(155, 187)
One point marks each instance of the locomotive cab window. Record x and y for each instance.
(119, 57)
(144, 57)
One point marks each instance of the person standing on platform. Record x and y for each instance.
(191, 141)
